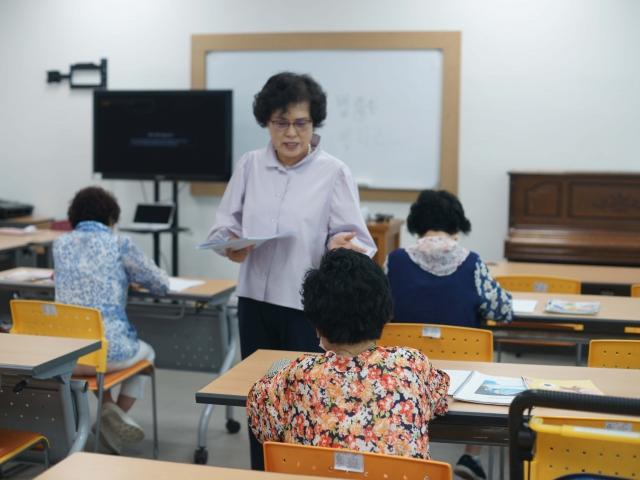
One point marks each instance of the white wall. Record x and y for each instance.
(545, 84)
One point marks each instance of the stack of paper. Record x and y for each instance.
(28, 275)
(179, 284)
(240, 243)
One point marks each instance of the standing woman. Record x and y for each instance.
(292, 184)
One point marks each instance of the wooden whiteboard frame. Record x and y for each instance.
(447, 42)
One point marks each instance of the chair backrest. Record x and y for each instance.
(635, 290)
(539, 283)
(332, 463)
(50, 319)
(614, 353)
(443, 342)
(597, 446)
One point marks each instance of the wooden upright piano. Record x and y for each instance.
(574, 217)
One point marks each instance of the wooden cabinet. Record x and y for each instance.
(386, 235)
(574, 217)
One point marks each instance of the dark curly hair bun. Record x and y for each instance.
(286, 89)
(93, 203)
(437, 210)
(347, 297)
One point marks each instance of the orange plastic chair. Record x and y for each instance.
(570, 445)
(635, 290)
(614, 354)
(14, 442)
(539, 283)
(443, 342)
(332, 463)
(34, 317)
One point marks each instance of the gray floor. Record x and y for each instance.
(179, 415)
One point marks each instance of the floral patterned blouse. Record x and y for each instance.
(380, 401)
(93, 268)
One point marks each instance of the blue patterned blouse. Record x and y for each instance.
(93, 268)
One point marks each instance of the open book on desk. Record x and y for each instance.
(240, 243)
(476, 387)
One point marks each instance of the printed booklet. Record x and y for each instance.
(585, 387)
(240, 243)
(488, 389)
(574, 308)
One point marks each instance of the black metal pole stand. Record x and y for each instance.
(175, 230)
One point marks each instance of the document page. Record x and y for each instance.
(491, 390)
(524, 306)
(240, 243)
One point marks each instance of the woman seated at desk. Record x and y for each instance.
(439, 281)
(93, 268)
(356, 396)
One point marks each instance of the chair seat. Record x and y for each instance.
(12, 442)
(114, 378)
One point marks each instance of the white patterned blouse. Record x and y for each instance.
(93, 268)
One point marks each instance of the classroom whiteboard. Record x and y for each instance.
(384, 107)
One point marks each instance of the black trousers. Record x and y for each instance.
(272, 327)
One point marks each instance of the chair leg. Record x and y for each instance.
(490, 465)
(155, 414)
(100, 380)
(45, 445)
(578, 354)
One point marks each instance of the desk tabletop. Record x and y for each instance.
(233, 387)
(81, 466)
(612, 309)
(204, 292)
(41, 237)
(596, 274)
(35, 355)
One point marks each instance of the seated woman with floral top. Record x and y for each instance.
(439, 281)
(356, 396)
(93, 268)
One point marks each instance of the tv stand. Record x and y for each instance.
(174, 230)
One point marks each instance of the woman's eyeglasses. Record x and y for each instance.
(299, 125)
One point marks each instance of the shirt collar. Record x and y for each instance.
(91, 226)
(345, 364)
(272, 160)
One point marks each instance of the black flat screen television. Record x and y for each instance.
(162, 135)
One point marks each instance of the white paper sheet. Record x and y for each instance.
(179, 284)
(28, 275)
(524, 306)
(456, 378)
(240, 243)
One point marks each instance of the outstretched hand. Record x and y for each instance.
(238, 256)
(343, 240)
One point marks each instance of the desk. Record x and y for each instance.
(40, 241)
(50, 401)
(82, 466)
(21, 222)
(595, 279)
(386, 236)
(617, 315)
(471, 422)
(187, 345)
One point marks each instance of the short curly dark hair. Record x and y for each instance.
(286, 89)
(437, 210)
(347, 297)
(93, 203)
